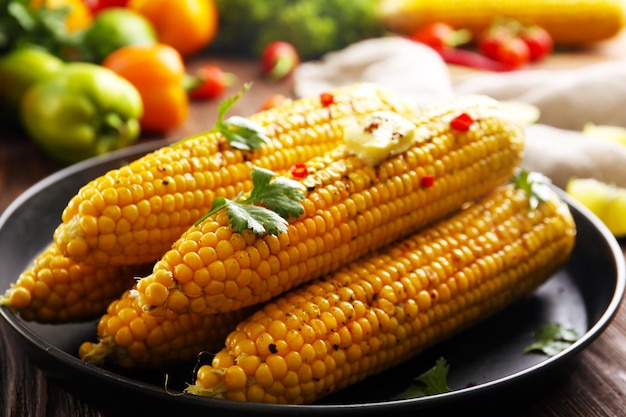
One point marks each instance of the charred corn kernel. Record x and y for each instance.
(133, 214)
(55, 289)
(351, 208)
(129, 337)
(569, 22)
(381, 310)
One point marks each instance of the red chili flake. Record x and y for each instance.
(462, 122)
(427, 181)
(327, 99)
(299, 170)
(371, 127)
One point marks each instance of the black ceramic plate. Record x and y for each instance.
(486, 362)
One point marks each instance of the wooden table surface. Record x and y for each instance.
(594, 385)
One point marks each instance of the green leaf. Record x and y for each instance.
(266, 209)
(431, 382)
(536, 185)
(240, 132)
(552, 338)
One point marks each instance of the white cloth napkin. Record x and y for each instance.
(567, 99)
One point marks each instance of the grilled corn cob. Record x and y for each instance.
(350, 209)
(569, 22)
(380, 311)
(133, 214)
(132, 338)
(55, 289)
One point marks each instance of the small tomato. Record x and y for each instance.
(539, 41)
(209, 81)
(514, 53)
(490, 41)
(273, 100)
(278, 60)
(158, 72)
(439, 35)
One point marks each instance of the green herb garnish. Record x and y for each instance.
(267, 207)
(241, 133)
(536, 185)
(431, 382)
(552, 338)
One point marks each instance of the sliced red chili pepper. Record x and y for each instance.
(427, 181)
(299, 170)
(462, 122)
(327, 99)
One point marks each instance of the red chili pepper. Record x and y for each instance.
(299, 170)
(472, 59)
(462, 122)
(210, 81)
(327, 99)
(427, 181)
(278, 60)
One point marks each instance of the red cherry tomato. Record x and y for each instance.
(210, 81)
(436, 35)
(491, 40)
(539, 42)
(514, 53)
(278, 60)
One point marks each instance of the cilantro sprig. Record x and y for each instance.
(552, 338)
(240, 132)
(536, 185)
(271, 202)
(431, 382)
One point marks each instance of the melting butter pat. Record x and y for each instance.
(378, 136)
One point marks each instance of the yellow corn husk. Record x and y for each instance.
(380, 311)
(570, 22)
(132, 338)
(350, 209)
(133, 214)
(55, 289)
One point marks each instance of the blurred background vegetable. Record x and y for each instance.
(158, 72)
(569, 22)
(22, 24)
(113, 28)
(278, 60)
(20, 69)
(209, 81)
(82, 111)
(186, 25)
(314, 27)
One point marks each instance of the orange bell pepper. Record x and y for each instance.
(158, 72)
(187, 25)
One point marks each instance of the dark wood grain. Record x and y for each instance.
(593, 385)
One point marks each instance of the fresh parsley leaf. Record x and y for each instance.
(536, 185)
(431, 382)
(240, 132)
(266, 209)
(552, 338)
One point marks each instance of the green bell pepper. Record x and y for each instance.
(83, 111)
(19, 69)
